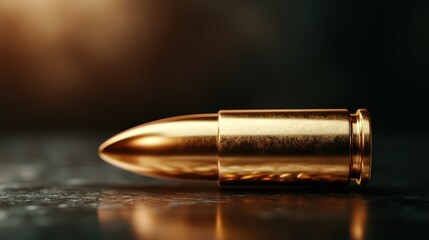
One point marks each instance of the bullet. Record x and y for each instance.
(250, 148)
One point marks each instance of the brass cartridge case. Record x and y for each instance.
(293, 147)
(250, 148)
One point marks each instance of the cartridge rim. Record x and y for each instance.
(361, 146)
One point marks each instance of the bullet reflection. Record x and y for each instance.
(358, 220)
(213, 215)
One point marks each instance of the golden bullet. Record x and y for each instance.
(239, 148)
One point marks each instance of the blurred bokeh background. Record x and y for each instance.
(75, 72)
(111, 64)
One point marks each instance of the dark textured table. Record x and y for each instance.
(55, 187)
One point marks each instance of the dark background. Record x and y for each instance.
(75, 72)
(109, 65)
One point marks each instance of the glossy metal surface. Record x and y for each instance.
(250, 148)
(179, 147)
(284, 147)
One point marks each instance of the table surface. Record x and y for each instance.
(54, 186)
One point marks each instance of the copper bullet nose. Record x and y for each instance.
(111, 148)
(103, 150)
(181, 147)
(117, 149)
(128, 143)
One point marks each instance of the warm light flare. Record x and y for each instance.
(52, 37)
(159, 214)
